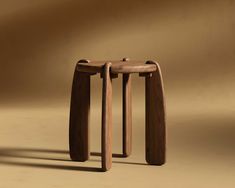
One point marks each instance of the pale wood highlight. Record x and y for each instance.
(127, 115)
(106, 137)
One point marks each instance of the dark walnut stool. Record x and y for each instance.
(80, 107)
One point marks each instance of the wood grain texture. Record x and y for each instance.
(155, 119)
(127, 115)
(117, 67)
(79, 117)
(106, 138)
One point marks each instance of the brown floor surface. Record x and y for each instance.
(34, 151)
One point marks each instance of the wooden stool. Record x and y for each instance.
(80, 107)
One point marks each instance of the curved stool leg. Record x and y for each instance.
(106, 138)
(79, 117)
(127, 115)
(155, 119)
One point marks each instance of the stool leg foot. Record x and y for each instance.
(106, 137)
(127, 115)
(155, 119)
(79, 117)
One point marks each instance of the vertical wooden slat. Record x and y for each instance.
(79, 117)
(155, 119)
(106, 138)
(127, 115)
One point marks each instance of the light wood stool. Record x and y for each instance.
(80, 107)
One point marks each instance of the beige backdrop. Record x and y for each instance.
(41, 41)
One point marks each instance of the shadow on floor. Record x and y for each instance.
(29, 153)
(115, 155)
(7, 154)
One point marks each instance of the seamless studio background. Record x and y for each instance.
(40, 43)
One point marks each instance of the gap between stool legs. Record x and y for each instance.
(155, 119)
(79, 117)
(127, 115)
(106, 135)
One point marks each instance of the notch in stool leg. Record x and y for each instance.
(155, 119)
(106, 137)
(79, 117)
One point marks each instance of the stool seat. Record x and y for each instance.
(116, 67)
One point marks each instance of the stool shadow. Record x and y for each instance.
(5, 153)
(115, 155)
(24, 153)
